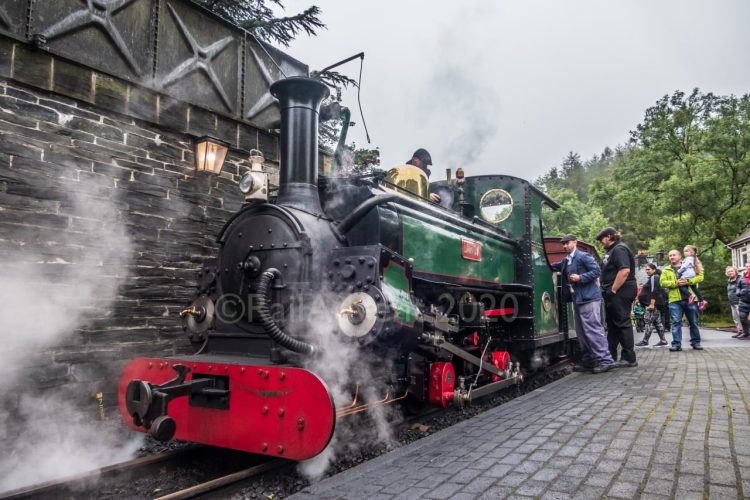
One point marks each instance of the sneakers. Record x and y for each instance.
(601, 368)
(702, 305)
(698, 347)
(675, 349)
(642, 343)
(661, 343)
(581, 368)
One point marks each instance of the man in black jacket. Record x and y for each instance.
(619, 290)
(652, 298)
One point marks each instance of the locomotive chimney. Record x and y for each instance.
(299, 99)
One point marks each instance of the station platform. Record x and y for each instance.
(677, 426)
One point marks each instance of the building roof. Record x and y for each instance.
(743, 238)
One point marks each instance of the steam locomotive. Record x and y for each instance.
(421, 302)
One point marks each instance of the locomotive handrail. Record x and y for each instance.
(479, 287)
(344, 225)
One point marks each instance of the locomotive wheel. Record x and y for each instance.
(163, 428)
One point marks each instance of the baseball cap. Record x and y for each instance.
(607, 231)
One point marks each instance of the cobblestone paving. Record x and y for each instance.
(677, 426)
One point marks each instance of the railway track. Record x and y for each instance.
(215, 486)
(169, 475)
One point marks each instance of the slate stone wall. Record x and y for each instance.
(96, 151)
(56, 153)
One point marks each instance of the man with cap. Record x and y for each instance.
(422, 159)
(619, 289)
(578, 274)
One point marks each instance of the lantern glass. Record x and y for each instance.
(209, 155)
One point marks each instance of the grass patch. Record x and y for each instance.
(711, 320)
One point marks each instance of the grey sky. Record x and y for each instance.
(511, 86)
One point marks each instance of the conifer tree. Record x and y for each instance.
(258, 17)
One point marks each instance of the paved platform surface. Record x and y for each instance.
(677, 426)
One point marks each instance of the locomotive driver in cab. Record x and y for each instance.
(619, 289)
(422, 160)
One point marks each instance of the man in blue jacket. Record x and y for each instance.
(578, 274)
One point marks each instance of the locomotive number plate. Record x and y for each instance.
(471, 250)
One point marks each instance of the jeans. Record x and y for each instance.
(676, 310)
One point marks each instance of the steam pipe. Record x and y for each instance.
(272, 329)
(299, 100)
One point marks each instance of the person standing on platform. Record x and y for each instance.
(743, 292)
(734, 301)
(619, 289)
(578, 274)
(652, 298)
(678, 305)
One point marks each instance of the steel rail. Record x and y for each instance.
(224, 481)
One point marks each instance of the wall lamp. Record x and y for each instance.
(210, 154)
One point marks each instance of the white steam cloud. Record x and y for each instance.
(58, 440)
(343, 364)
(61, 274)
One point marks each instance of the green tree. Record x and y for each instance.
(259, 18)
(688, 171)
(568, 185)
(575, 175)
(573, 216)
